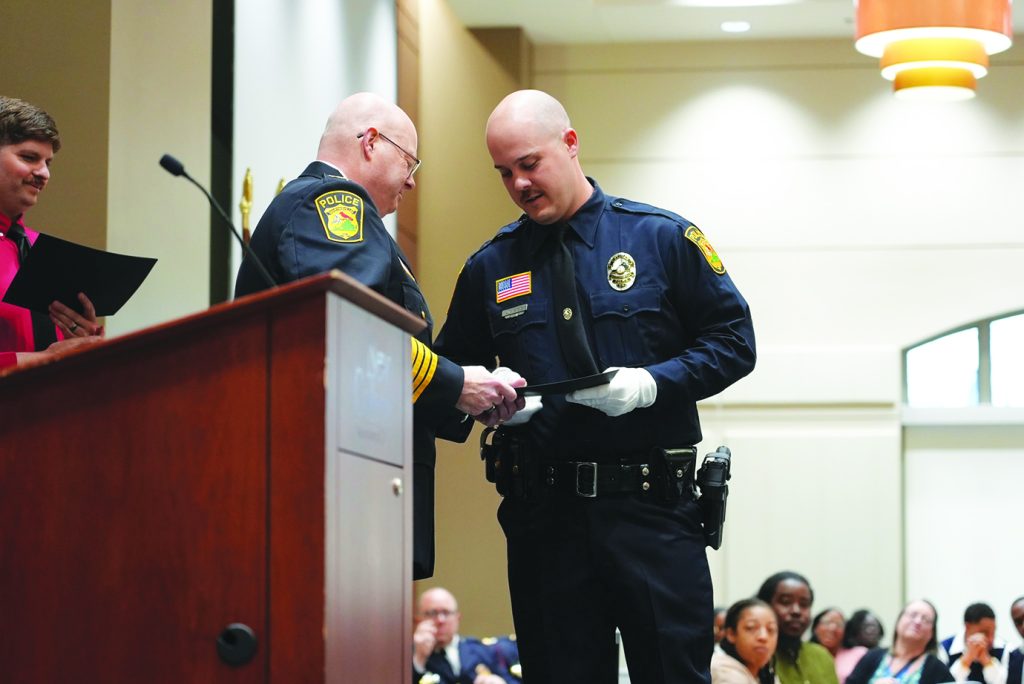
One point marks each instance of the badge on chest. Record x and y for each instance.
(621, 271)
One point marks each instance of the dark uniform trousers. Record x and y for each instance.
(580, 567)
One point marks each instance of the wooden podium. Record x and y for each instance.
(246, 468)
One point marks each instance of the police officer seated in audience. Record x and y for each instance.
(975, 654)
(442, 656)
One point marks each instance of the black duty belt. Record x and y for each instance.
(664, 473)
(588, 479)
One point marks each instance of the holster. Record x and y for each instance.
(714, 492)
(505, 463)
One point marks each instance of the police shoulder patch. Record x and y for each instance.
(341, 213)
(694, 235)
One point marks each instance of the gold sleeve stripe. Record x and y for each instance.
(424, 364)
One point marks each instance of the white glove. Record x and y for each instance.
(631, 388)
(523, 415)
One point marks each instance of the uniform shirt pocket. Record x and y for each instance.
(623, 324)
(519, 333)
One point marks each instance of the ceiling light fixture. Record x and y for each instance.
(933, 49)
(735, 26)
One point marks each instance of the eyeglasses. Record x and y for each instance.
(435, 613)
(925, 619)
(412, 162)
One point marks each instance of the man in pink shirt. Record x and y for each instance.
(28, 141)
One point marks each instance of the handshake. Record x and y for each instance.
(491, 398)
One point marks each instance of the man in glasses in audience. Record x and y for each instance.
(330, 218)
(441, 656)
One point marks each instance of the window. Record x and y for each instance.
(1007, 353)
(982, 364)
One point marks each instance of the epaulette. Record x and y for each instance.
(623, 204)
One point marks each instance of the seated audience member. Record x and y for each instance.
(862, 632)
(442, 656)
(911, 660)
(863, 629)
(28, 141)
(1015, 661)
(750, 633)
(828, 629)
(790, 596)
(975, 655)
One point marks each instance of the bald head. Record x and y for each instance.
(356, 141)
(438, 595)
(532, 110)
(440, 607)
(353, 116)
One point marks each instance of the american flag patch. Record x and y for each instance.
(513, 286)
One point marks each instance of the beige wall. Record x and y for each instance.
(462, 203)
(57, 56)
(160, 102)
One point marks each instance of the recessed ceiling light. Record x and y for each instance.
(735, 26)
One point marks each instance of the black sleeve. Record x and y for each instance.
(934, 671)
(866, 667)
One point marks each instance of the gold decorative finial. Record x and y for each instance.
(246, 203)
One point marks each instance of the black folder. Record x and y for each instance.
(567, 386)
(58, 270)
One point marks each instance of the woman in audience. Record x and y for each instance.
(863, 631)
(790, 596)
(828, 629)
(749, 636)
(911, 660)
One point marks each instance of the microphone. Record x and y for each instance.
(176, 168)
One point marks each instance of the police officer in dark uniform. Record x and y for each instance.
(330, 218)
(599, 515)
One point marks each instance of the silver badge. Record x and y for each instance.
(621, 271)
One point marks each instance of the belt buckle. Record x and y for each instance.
(591, 491)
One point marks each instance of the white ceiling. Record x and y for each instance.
(603, 21)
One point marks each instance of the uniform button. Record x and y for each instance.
(567, 313)
(645, 471)
(646, 486)
(625, 308)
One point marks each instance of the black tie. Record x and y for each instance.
(17, 235)
(568, 319)
(439, 664)
(43, 333)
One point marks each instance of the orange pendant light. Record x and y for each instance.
(934, 48)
